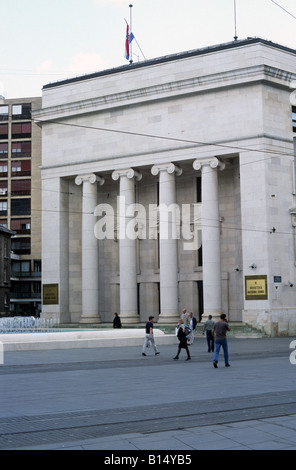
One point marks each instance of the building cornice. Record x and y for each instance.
(175, 57)
(193, 85)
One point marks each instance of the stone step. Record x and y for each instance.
(238, 329)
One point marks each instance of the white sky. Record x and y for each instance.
(43, 41)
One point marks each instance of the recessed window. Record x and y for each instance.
(21, 111)
(3, 150)
(3, 113)
(4, 131)
(3, 187)
(20, 149)
(21, 131)
(20, 206)
(21, 168)
(21, 225)
(21, 245)
(3, 169)
(20, 187)
(294, 118)
(3, 207)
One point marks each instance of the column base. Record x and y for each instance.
(215, 316)
(90, 319)
(168, 319)
(129, 319)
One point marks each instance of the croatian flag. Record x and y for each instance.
(127, 43)
(128, 39)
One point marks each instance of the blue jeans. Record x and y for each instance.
(224, 344)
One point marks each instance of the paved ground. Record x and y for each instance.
(114, 399)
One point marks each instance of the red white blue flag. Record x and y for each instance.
(128, 39)
(126, 54)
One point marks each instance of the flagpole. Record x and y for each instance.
(235, 31)
(131, 26)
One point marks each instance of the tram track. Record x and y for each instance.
(26, 431)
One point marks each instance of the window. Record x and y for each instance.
(21, 168)
(21, 245)
(20, 206)
(3, 169)
(3, 113)
(3, 188)
(37, 266)
(20, 187)
(21, 266)
(4, 131)
(16, 166)
(21, 225)
(3, 207)
(21, 149)
(3, 150)
(21, 131)
(294, 118)
(21, 111)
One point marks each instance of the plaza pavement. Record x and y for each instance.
(114, 399)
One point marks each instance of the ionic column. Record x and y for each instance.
(127, 246)
(212, 289)
(168, 254)
(90, 255)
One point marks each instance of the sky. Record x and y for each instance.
(44, 41)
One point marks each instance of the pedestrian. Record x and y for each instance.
(116, 321)
(219, 332)
(185, 317)
(208, 327)
(192, 326)
(183, 341)
(149, 336)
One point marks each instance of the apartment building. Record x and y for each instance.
(20, 200)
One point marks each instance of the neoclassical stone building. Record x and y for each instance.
(206, 135)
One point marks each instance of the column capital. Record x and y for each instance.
(90, 177)
(128, 172)
(211, 162)
(169, 167)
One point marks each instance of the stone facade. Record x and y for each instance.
(210, 129)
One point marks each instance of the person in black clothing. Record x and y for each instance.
(183, 344)
(149, 337)
(116, 321)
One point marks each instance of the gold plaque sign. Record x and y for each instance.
(256, 287)
(50, 294)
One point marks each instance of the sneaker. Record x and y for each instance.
(227, 365)
(188, 359)
(215, 364)
(157, 353)
(143, 354)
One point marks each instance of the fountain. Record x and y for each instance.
(27, 324)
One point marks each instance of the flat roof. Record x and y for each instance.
(170, 58)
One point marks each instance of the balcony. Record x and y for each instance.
(34, 275)
(25, 296)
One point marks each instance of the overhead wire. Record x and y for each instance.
(280, 6)
(174, 139)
